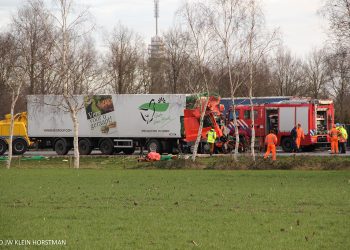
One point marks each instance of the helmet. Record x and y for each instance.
(337, 124)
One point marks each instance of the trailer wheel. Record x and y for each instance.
(85, 146)
(61, 146)
(154, 145)
(107, 146)
(3, 147)
(129, 151)
(287, 144)
(19, 147)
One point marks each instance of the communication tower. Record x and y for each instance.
(156, 48)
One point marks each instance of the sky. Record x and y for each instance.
(302, 28)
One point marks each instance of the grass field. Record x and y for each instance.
(113, 207)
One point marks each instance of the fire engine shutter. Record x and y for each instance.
(302, 117)
(286, 119)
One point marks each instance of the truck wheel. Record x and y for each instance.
(107, 146)
(154, 145)
(129, 151)
(3, 147)
(19, 147)
(85, 147)
(61, 146)
(287, 144)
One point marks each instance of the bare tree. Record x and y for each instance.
(227, 19)
(201, 39)
(143, 81)
(12, 75)
(176, 44)
(339, 68)
(124, 59)
(259, 44)
(338, 14)
(74, 62)
(286, 73)
(316, 74)
(33, 28)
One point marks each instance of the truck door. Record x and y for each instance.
(286, 119)
(302, 117)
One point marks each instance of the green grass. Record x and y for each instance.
(107, 206)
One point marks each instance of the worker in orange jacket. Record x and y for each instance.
(271, 142)
(334, 139)
(300, 136)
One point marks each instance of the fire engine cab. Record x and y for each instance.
(282, 114)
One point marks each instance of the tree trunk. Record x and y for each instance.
(236, 129)
(199, 135)
(12, 123)
(252, 140)
(235, 156)
(8, 165)
(76, 138)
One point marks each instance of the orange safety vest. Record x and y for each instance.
(271, 139)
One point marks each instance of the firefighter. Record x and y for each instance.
(211, 137)
(271, 142)
(334, 139)
(343, 137)
(300, 136)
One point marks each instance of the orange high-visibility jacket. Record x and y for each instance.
(300, 133)
(271, 139)
(334, 133)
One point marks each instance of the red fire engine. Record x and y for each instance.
(282, 114)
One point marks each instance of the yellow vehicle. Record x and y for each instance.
(21, 140)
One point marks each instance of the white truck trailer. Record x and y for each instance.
(115, 123)
(108, 122)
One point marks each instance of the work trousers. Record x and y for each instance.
(342, 147)
(334, 145)
(294, 145)
(270, 149)
(211, 148)
(297, 142)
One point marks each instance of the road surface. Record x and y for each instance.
(323, 152)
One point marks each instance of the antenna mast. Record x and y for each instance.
(156, 14)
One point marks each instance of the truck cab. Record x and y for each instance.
(20, 141)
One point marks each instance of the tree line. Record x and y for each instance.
(31, 46)
(214, 46)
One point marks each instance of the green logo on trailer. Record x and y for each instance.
(148, 109)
